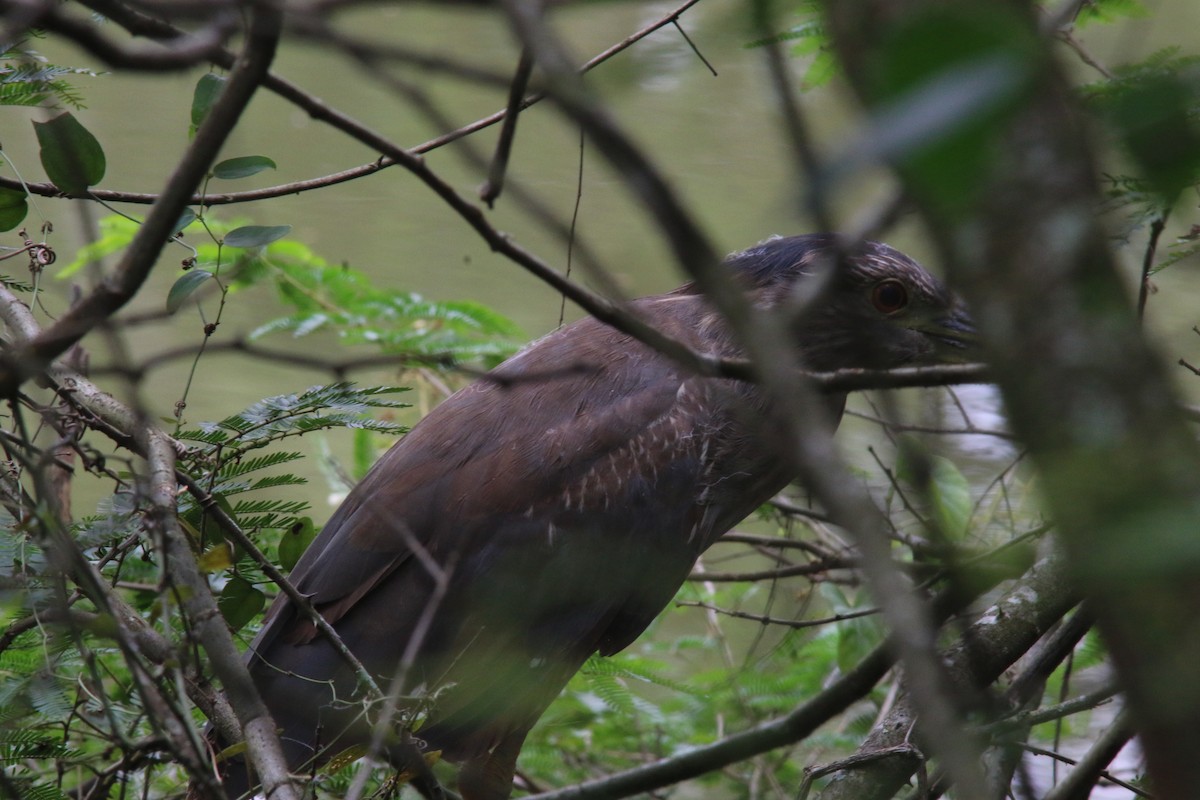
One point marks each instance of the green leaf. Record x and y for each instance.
(295, 541)
(256, 235)
(70, 154)
(339, 405)
(1109, 11)
(242, 167)
(240, 602)
(188, 283)
(345, 301)
(950, 498)
(365, 453)
(857, 636)
(944, 89)
(186, 218)
(208, 89)
(820, 72)
(1155, 121)
(13, 208)
(115, 234)
(944, 487)
(26, 79)
(216, 558)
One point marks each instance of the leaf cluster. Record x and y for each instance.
(344, 301)
(28, 79)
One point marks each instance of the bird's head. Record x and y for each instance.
(866, 306)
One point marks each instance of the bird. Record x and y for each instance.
(552, 509)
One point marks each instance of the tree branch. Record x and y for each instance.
(1001, 635)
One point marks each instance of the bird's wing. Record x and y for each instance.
(498, 453)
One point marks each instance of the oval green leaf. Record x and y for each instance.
(950, 496)
(188, 283)
(216, 558)
(240, 602)
(13, 208)
(208, 89)
(71, 155)
(856, 636)
(186, 218)
(242, 167)
(294, 542)
(256, 235)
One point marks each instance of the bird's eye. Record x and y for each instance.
(889, 296)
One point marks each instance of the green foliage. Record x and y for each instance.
(28, 79)
(256, 235)
(343, 300)
(240, 601)
(1186, 247)
(116, 232)
(13, 208)
(669, 693)
(185, 287)
(324, 297)
(293, 542)
(227, 470)
(944, 88)
(1153, 107)
(1132, 198)
(36, 699)
(336, 405)
(943, 488)
(809, 41)
(71, 155)
(856, 636)
(1110, 11)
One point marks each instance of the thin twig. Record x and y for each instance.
(508, 131)
(1156, 229)
(812, 568)
(691, 44)
(787, 623)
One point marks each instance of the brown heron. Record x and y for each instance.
(552, 511)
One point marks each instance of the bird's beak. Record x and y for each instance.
(957, 341)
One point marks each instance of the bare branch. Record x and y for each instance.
(178, 52)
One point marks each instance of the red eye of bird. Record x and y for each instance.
(889, 296)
